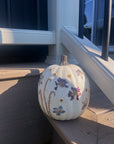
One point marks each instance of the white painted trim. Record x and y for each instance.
(61, 13)
(19, 36)
(88, 55)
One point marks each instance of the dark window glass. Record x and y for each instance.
(97, 22)
(112, 25)
(88, 18)
(100, 21)
(23, 14)
(3, 14)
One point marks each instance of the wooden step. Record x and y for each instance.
(21, 119)
(13, 71)
(95, 126)
(19, 108)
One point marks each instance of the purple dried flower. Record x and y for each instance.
(74, 93)
(78, 90)
(61, 82)
(79, 73)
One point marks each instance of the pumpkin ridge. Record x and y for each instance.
(40, 94)
(49, 110)
(54, 71)
(79, 93)
(75, 80)
(44, 94)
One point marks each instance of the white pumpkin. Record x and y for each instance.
(63, 91)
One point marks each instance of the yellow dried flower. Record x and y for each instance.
(69, 75)
(55, 74)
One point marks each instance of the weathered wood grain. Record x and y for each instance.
(95, 126)
(21, 120)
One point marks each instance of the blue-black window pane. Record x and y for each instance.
(100, 22)
(3, 14)
(23, 14)
(112, 25)
(88, 13)
(88, 18)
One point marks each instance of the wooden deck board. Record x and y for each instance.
(80, 131)
(13, 71)
(95, 126)
(18, 102)
(21, 119)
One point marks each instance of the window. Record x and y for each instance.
(93, 28)
(22, 15)
(88, 18)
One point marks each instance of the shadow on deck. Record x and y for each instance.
(22, 121)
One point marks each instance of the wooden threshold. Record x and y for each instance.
(25, 37)
(13, 71)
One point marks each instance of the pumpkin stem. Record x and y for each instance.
(64, 60)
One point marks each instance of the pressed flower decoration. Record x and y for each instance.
(79, 73)
(51, 69)
(58, 111)
(74, 93)
(69, 75)
(61, 82)
(63, 91)
(55, 74)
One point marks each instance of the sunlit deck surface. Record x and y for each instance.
(19, 111)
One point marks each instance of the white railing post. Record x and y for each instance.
(61, 13)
